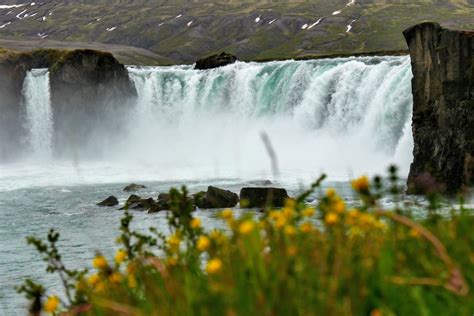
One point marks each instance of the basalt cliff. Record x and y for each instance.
(443, 108)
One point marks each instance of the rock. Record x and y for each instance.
(110, 201)
(216, 198)
(215, 61)
(262, 197)
(443, 106)
(133, 187)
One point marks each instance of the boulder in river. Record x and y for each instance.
(133, 187)
(262, 197)
(215, 61)
(110, 201)
(216, 198)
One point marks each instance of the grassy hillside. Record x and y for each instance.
(182, 31)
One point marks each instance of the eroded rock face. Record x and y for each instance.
(215, 61)
(443, 108)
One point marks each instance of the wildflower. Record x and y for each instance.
(131, 268)
(195, 223)
(353, 213)
(100, 262)
(115, 277)
(306, 227)
(331, 193)
(214, 266)
(339, 207)
(308, 212)
(120, 256)
(376, 312)
(172, 261)
(290, 230)
(290, 203)
(93, 279)
(246, 227)
(51, 304)
(361, 184)
(288, 212)
(331, 218)
(227, 214)
(274, 215)
(203, 243)
(217, 236)
(174, 242)
(414, 233)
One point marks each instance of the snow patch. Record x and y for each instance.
(42, 35)
(190, 23)
(337, 12)
(18, 16)
(271, 22)
(11, 6)
(33, 3)
(178, 16)
(304, 27)
(351, 2)
(315, 23)
(350, 25)
(43, 18)
(4, 25)
(257, 19)
(110, 29)
(161, 23)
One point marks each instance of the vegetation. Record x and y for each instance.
(325, 259)
(219, 25)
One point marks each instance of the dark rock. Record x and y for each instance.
(133, 187)
(165, 197)
(443, 105)
(262, 197)
(215, 61)
(110, 201)
(216, 198)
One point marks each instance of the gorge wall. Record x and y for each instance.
(81, 81)
(443, 109)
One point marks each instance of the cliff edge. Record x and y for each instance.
(443, 109)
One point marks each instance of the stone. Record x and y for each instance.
(215, 61)
(133, 187)
(262, 197)
(443, 106)
(108, 202)
(216, 198)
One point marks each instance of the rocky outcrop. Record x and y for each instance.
(108, 202)
(216, 198)
(443, 108)
(262, 197)
(133, 187)
(215, 61)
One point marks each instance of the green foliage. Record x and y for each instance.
(325, 259)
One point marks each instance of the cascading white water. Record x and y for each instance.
(340, 116)
(39, 116)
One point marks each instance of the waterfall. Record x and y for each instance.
(341, 116)
(39, 117)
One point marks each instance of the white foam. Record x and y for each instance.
(315, 23)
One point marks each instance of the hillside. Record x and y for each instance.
(182, 31)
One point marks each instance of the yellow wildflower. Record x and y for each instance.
(308, 212)
(290, 203)
(291, 251)
(353, 213)
(339, 207)
(227, 214)
(331, 218)
(172, 261)
(93, 279)
(120, 256)
(414, 233)
(195, 223)
(51, 304)
(174, 242)
(246, 227)
(100, 262)
(203, 243)
(214, 266)
(288, 212)
(331, 193)
(306, 227)
(290, 230)
(361, 184)
(217, 236)
(100, 287)
(115, 277)
(280, 222)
